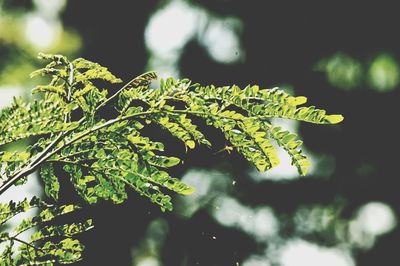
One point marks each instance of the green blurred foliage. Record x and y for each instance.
(384, 73)
(18, 52)
(344, 72)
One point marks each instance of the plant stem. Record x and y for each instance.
(26, 243)
(45, 154)
(32, 165)
(120, 90)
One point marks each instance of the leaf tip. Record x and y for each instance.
(334, 119)
(190, 144)
(299, 100)
(188, 190)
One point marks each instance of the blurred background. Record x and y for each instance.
(344, 57)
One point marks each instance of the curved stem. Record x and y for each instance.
(121, 89)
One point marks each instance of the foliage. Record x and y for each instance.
(49, 244)
(105, 157)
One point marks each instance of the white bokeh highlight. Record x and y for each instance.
(42, 26)
(221, 41)
(175, 24)
(148, 261)
(261, 223)
(256, 261)
(302, 253)
(40, 32)
(372, 220)
(170, 28)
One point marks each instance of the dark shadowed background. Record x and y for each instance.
(343, 57)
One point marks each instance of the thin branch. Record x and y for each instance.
(120, 90)
(28, 244)
(32, 165)
(10, 212)
(45, 154)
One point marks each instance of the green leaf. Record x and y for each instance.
(51, 184)
(50, 244)
(10, 209)
(164, 161)
(49, 88)
(190, 144)
(292, 146)
(188, 190)
(175, 129)
(334, 119)
(22, 120)
(47, 232)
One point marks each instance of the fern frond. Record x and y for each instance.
(56, 244)
(23, 120)
(91, 71)
(306, 114)
(50, 89)
(175, 129)
(66, 251)
(104, 159)
(9, 210)
(66, 230)
(142, 80)
(133, 90)
(119, 161)
(186, 123)
(292, 145)
(106, 174)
